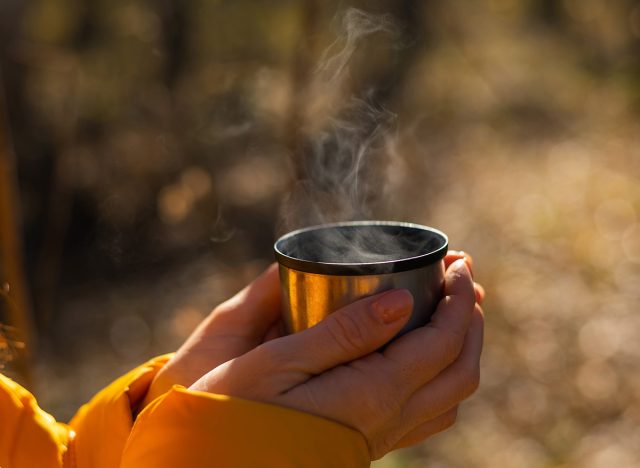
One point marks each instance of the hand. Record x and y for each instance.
(233, 328)
(396, 397)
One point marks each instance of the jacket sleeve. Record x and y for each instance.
(29, 437)
(180, 428)
(95, 438)
(102, 426)
(198, 430)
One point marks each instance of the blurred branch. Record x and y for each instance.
(16, 303)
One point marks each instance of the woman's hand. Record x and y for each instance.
(233, 328)
(395, 397)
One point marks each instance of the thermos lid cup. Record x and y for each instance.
(361, 248)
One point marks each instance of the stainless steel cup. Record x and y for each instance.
(323, 268)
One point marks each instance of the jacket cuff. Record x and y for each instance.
(103, 425)
(199, 429)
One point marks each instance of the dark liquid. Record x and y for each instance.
(360, 244)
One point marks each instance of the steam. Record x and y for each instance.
(356, 25)
(340, 166)
(341, 175)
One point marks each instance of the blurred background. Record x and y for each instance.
(151, 152)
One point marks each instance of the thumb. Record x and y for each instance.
(347, 334)
(252, 311)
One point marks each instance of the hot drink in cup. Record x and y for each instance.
(323, 268)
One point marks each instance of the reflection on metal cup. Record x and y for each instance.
(324, 268)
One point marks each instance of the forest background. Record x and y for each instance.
(151, 152)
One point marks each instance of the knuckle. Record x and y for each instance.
(346, 332)
(217, 312)
(385, 445)
(227, 306)
(473, 380)
(469, 381)
(222, 313)
(450, 418)
(450, 345)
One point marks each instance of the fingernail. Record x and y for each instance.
(393, 305)
(461, 264)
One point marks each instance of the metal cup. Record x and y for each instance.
(323, 268)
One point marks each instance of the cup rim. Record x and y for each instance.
(362, 268)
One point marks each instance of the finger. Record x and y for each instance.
(453, 385)
(421, 354)
(347, 334)
(428, 428)
(252, 311)
(480, 293)
(454, 255)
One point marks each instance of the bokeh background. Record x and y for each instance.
(152, 151)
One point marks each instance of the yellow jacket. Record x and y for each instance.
(182, 428)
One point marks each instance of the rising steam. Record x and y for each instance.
(340, 164)
(356, 26)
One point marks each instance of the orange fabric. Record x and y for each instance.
(198, 430)
(102, 426)
(29, 437)
(180, 429)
